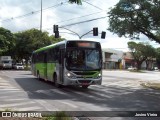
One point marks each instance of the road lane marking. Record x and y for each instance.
(34, 108)
(17, 104)
(7, 87)
(15, 99)
(60, 92)
(69, 104)
(10, 89)
(4, 83)
(47, 106)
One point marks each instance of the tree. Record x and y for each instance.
(130, 18)
(150, 53)
(79, 2)
(158, 57)
(137, 50)
(30, 40)
(6, 41)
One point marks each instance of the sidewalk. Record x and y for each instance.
(148, 79)
(153, 85)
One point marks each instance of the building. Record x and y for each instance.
(112, 59)
(115, 59)
(129, 60)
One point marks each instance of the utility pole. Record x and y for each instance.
(41, 18)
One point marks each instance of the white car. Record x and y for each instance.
(132, 68)
(156, 69)
(18, 66)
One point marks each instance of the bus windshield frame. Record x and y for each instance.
(83, 56)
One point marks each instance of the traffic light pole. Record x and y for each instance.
(85, 34)
(72, 32)
(77, 33)
(95, 32)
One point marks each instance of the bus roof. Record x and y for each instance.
(49, 46)
(59, 43)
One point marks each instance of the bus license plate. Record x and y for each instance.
(85, 84)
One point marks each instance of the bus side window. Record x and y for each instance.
(49, 56)
(37, 57)
(53, 54)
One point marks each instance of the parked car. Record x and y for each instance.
(132, 68)
(156, 69)
(18, 66)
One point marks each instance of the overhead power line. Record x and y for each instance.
(33, 12)
(79, 22)
(80, 17)
(93, 5)
(75, 18)
(49, 28)
(83, 21)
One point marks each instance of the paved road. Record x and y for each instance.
(120, 91)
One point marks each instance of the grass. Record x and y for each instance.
(58, 116)
(6, 110)
(151, 85)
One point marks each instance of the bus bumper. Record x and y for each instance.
(80, 82)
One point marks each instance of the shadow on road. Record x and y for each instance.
(114, 97)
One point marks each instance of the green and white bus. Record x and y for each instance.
(70, 62)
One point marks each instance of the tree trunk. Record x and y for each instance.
(139, 63)
(147, 65)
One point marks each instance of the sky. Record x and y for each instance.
(20, 15)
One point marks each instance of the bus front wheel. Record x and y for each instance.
(85, 86)
(56, 82)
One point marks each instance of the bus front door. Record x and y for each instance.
(61, 65)
(45, 66)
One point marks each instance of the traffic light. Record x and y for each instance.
(55, 28)
(56, 34)
(103, 35)
(95, 31)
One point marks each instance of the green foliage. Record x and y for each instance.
(59, 116)
(30, 40)
(158, 54)
(142, 52)
(6, 41)
(130, 18)
(137, 50)
(158, 57)
(20, 45)
(150, 53)
(79, 2)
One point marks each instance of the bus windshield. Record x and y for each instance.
(83, 59)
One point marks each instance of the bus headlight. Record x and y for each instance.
(99, 75)
(70, 75)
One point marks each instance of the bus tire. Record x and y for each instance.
(85, 86)
(38, 76)
(55, 81)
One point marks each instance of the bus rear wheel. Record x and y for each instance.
(38, 76)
